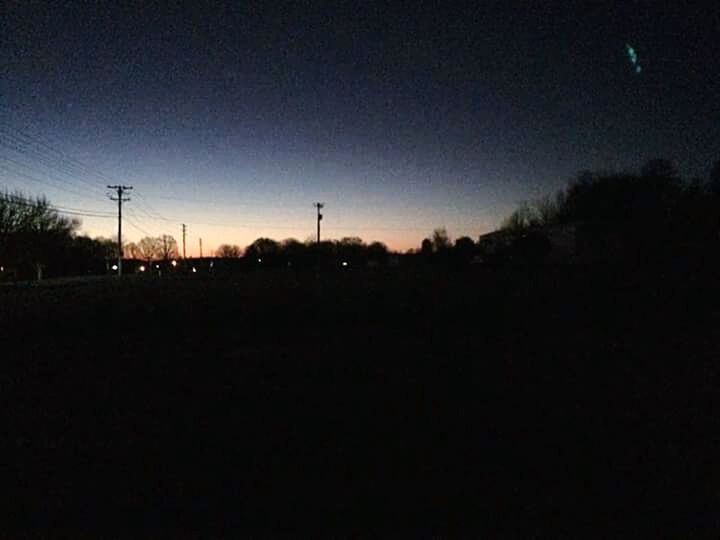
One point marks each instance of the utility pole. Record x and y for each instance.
(319, 206)
(201, 248)
(184, 229)
(120, 190)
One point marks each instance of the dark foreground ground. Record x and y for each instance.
(566, 402)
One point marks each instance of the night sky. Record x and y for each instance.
(401, 116)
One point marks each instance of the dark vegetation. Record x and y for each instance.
(649, 218)
(37, 241)
(465, 389)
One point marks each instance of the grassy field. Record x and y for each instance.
(567, 400)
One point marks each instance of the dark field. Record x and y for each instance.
(578, 402)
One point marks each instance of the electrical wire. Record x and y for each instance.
(15, 199)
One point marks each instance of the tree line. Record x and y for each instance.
(645, 216)
(653, 213)
(348, 251)
(36, 241)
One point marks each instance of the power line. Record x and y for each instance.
(151, 210)
(57, 164)
(65, 173)
(46, 142)
(140, 219)
(137, 227)
(15, 199)
(59, 185)
(219, 203)
(235, 225)
(147, 215)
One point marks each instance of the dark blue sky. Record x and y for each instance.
(401, 116)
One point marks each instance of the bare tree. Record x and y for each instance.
(148, 249)
(228, 251)
(377, 250)
(440, 240)
(168, 247)
(32, 233)
(521, 218)
(262, 247)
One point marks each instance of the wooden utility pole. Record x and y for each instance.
(120, 190)
(184, 229)
(319, 206)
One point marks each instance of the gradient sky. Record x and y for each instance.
(400, 116)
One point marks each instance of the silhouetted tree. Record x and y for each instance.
(228, 251)
(377, 252)
(351, 248)
(641, 217)
(426, 247)
(148, 249)
(263, 250)
(109, 247)
(521, 218)
(464, 249)
(32, 233)
(88, 256)
(294, 252)
(548, 210)
(440, 240)
(168, 248)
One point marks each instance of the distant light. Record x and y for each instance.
(157, 266)
(194, 270)
(174, 263)
(2, 268)
(114, 266)
(142, 268)
(344, 263)
(259, 260)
